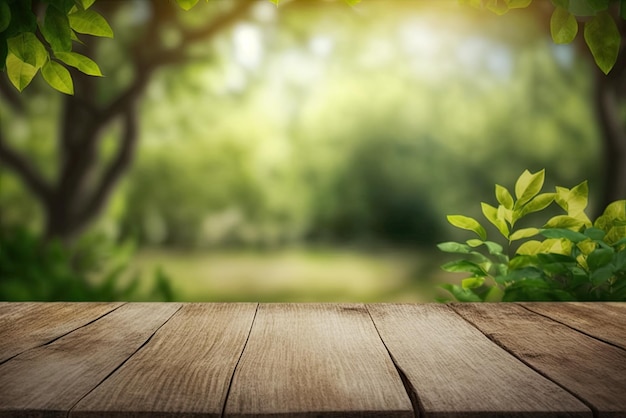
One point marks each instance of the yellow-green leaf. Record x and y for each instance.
(28, 49)
(491, 214)
(563, 26)
(472, 282)
(471, 224)
(527, 186)
(186, 4)
(523, 233)
(603, 39)
(539, 202)
(564, 221)
(577, 199)
(529, 248)
(90, 23)
(499, 7)
(20, 73)
(352, 2)
(80, 62)
(58, 77)
(504, 196)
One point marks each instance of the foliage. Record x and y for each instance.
(576, 260)
(600, 27)
(31, 270)
(31, 41)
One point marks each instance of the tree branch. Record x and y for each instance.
(117, 167)
(26, 172)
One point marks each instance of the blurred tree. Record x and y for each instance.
(83, 180)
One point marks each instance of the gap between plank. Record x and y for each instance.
(69, 411)
(418, 408)
(593, 409)
(232, 376)
(63, 335)
(572, 327)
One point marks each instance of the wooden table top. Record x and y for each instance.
(376, 360)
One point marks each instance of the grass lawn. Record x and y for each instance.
(297, 275)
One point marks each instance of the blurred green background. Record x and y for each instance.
(309, 152)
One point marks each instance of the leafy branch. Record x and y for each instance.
(600, 28)
(576, 260)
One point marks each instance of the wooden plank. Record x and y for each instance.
(316, 360)
(31, 324)
(185, 369)
(606, 321)
(455, 371)
(49, 380)
(593, 370)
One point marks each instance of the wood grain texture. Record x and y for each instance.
(316, 360)
(593, 370)
(49, 380)
(185, 369)
(31, 324)
(606, 321)
(455, 371)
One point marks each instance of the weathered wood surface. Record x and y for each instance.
(49, 380)
(187, 366)
(28, 325)
(589, 368)
(604, 321)
(173, 360)
(302, 358)
(454, 370)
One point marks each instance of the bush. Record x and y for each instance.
(31, 270)
(572, 259)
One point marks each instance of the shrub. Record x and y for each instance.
(570, 258)
(32, 270)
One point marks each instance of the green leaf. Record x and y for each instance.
(58, 77)
(90, 23)
(56, 30)
(454, 247)
(603, 39)
(523, 233)
(472, 282)
(22, 19)
(601, 275)
(531, 247)
(595, 233)
(563, 26)
(28, 48)
(564, 221)
(527, 186)
(20, 73)
(539, 202)
(186, 4)
(460, 294)
(5, 15)
(464, 266)
(84, 4)
(600, 257)
(80, 62)
(563, 233)
(504, 197)
(470, 224)
(491, 214)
